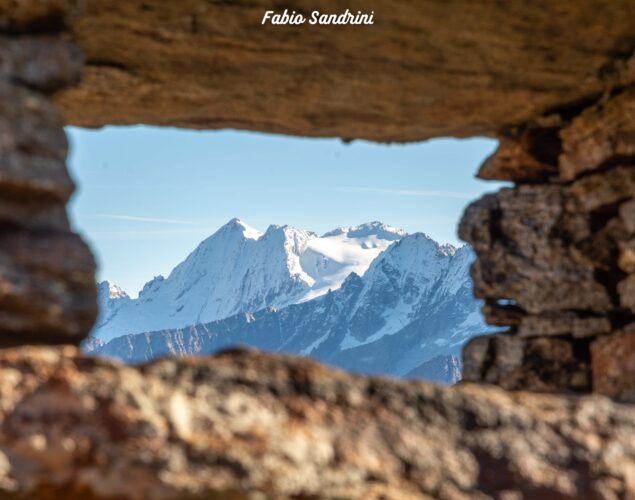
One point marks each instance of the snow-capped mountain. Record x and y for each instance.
(110, 298)
(240, 269)
(408, 314)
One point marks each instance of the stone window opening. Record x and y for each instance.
(199, 241)
(554, 82)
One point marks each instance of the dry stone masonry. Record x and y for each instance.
(556, 257)
(47, 291)
(556, 253)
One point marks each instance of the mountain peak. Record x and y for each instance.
(374, 228)
(420, 242)
(288, 231)
(414, 249)
(110, 290)
(448, 249)
(237, 225)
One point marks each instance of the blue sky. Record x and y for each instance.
(147, 196)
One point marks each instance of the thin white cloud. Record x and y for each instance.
(136, 218)
(407, 192)
(149, 234)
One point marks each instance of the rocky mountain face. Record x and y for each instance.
(413, 305)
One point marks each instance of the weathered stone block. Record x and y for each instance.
(43, 63)
(525, 252)
(626, 290)
(598, 135)
(47, 288)
(627, 256)
(605, 189)
(563, 324)
(33, 214)
(552, 364)
(512, 162)
(613, 365)
(601, 248)
(30, 176)
(30, 124)
(424, 69)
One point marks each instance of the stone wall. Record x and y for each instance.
(47, 289)
(556, 253)
(552, 80)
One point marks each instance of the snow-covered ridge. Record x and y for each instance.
(112, 291)
(240, 269)
(407, 315)
(374, 228)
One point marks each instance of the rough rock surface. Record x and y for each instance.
(513, 162)
(544, 364)
(555, 260)
(47, 290)
(552, 79)
(37, 16)
(602, 133)
(243, 424)
(613, 359)
(525, 254)
(424, 69)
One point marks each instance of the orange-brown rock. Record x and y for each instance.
(246, 425)
(600, 134)
(613, 361)
(512, 162)
(424, 69)
(627, 256)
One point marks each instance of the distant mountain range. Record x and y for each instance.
(368, 298)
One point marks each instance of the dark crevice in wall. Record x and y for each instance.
(108, 63)
(605, 166)
(48, 25)
(545, 145)
(567, 112)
